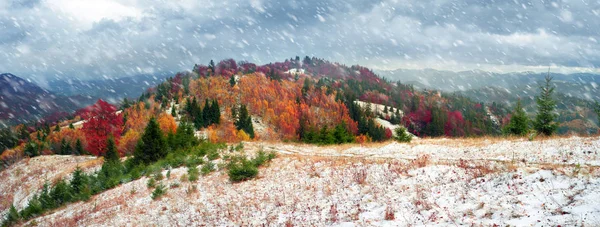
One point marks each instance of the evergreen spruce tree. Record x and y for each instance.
(79, 181)
(244, 122)
(188, 106)
(232, 81)
(46, 201)
(597, 109)
(11, 217)
(305, 88)
(57, 128)
(173, 112)
(206, 114)
(544, 120)
(151, 146)
(211, 66)
(111, 154)
(24, 133)
(31, 149)
(519, 123)
(61, 193)
(184, 137)
(65, 147)
(125, 104)
(216, 112)
(79, 148)
(71, 126)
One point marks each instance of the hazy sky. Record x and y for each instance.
(91, 38)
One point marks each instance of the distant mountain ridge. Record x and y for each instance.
(579, 85)
(575, 93)
(22, 101)
(111, 89)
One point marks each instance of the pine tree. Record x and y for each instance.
(61, 193)
(111, 154)
(152, 146)
(184, 137)
(173, 112)
(65, 147)
(206, 114)
(544, 120)
(211, 66)
(305, 88)
(244, 122)
(24, 133)
(11, 217)
(216, 112)
(57, 128)
(79, 148)
(31, 149)
(188, 106)
(71, 126)
(46, 201)
(232, 81)
(519, 123)
(125, 104)
(79, 181)
(597, 109)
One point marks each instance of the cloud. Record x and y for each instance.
(113, 38)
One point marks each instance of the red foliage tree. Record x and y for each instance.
(101, 122)
(455, 126)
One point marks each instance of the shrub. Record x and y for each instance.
(239, 147)
(158, 176)
(193, 161)
(402, 135)
(207, 168)
(158, 192)
(213, 155)
(151, 183)
(241, 170)
(193, 173)
(262, 158)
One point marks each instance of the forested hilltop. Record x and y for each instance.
(304, 100)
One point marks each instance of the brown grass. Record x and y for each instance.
(360, 175)
(389, 213)
(421, 161)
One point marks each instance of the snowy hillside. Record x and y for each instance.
(428, 182)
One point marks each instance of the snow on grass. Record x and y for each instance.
(378, 108)
(20, 181)
(430, 182)
(295, 71)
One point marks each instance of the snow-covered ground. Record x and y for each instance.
(295, 71)
(19, 182)
(378, 108)
(448, 182)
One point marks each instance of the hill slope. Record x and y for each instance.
(428, 183)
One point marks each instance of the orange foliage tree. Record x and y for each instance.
(167, 123)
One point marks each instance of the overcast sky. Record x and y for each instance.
(94, 38)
